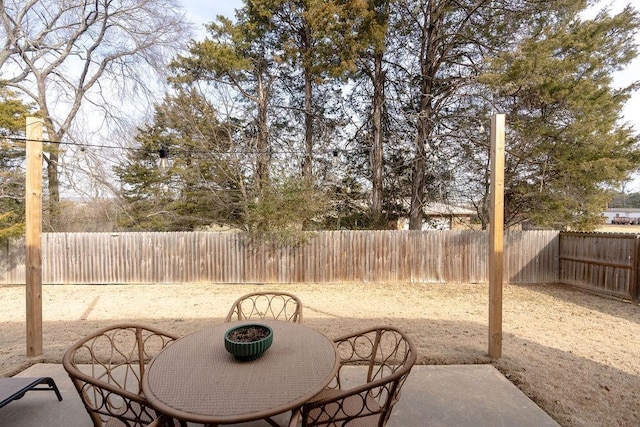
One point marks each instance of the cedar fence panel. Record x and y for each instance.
(328, 256)
(603, 263)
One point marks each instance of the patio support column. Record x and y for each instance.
(33, 235)
(496, 236)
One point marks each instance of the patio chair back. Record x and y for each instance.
(389, 355)
(106, 369)
(269, 305)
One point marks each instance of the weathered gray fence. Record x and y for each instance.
(604, 263)
(330, 256)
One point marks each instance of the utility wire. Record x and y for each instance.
(334, 151)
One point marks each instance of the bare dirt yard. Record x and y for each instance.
(575, 354)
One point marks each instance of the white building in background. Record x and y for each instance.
(440, 216)
(622, 216)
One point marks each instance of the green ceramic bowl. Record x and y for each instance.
(248, 341)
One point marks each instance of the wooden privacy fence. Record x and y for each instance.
(328, 256)
(603, 263)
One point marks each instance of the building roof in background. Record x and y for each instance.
(443, 209)
(623, 210)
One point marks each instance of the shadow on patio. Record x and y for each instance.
(453, 395)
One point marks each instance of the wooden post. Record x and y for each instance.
(496, 237)
(33, 236)
(635, 270)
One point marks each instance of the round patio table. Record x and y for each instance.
(195, 379)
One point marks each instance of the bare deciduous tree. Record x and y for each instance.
(75, 54)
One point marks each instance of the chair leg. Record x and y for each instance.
(273, 423)
(52, 386)
(16, 387)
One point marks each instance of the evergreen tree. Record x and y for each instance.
(401, 92)
(317, 43)
(566, 142)
(238, 55)
(209, 179)
(202, 181)
(624, 200)
(12, 153)
(280, 61)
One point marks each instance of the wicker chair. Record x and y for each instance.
(367, 401)
(165, 421)
(271, 305)
(106, 368)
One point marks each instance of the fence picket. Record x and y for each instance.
(329, 256)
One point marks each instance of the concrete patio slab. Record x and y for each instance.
(440, 395)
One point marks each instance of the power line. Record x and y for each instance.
(333, 151)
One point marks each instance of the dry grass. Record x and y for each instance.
(573, 353)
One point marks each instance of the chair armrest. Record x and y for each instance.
(78, 376)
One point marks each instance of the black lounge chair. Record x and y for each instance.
(15, 387)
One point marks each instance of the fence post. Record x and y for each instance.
(33, 236)
(496, 236)
(633, 285)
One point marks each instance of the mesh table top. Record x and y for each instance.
(196, 379)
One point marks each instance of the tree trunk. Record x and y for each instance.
(377, 160)
(53, 165)
(262, 143)
(307, 169)
(307, 164)
(416, 211)
(429, 59)
(53, 184)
